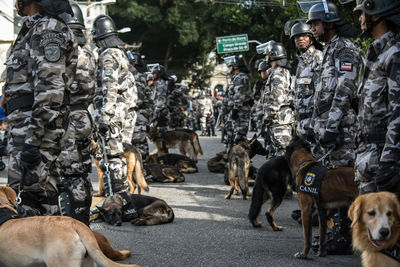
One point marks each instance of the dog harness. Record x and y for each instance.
(7, 214)
(393, 252)
(312, 181)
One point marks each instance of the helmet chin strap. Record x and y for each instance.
(365, 34)
(21, 5)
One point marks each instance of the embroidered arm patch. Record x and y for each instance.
(346, 56)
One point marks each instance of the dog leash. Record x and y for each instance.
(107, 173)
(326, 154)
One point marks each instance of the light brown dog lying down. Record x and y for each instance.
(376, 228)
(48, 240)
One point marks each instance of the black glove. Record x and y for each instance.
(30, 156)
(103, 129)
(329, 139)
(388, 177)
(310, 136)
(235, 114)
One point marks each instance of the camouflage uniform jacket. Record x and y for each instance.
(83, 87)
(309, 62)
(241, 91)
(206, 106)
(379, 108)
(160, 100)
(42, 63)
(144, 93)
(336, 88)
(116, 91)
(277, 97)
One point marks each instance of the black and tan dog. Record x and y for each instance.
(183, 163)
(163, 173)
(134, 169)
(273, 178)
(197, 147)
(217, 164)
(173, 139)
(337, 189)
(239, 165)
(50, 240)
(140, 210)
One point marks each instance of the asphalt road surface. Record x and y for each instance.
(209, 230)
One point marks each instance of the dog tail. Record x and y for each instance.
(197, 146)
(140, 180)
(92, 247)
(257, 199)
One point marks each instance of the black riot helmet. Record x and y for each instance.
(374, 7)
(300, 28)
(263, 66)
(103, 27)
(234, 61)
(323, 11)
(76, 21)
(277, 51)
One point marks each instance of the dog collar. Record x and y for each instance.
(7, 214)
(393, 252)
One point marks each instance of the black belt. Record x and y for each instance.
(74, 107)
(303, 116)
(22, 102)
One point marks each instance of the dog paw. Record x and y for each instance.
(300, 255)
(139, 222)
(321, 254)
(278, 228)
(227, 197)
(256, 224)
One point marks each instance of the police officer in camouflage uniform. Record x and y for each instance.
(277, 101)
(75, 158)
(161, 112)
(258, 89)
(177, 103)
(377, 166)
(207, 114)
(40, 69)
(115, 98)
(334, 118)
(239, 102)
(144, 107)
(310, 60)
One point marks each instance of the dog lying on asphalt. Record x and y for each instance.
(134, 169)
(217, 163)
(163, 173)
(273, 178)
(183, 163)
(50, 240)
(138, 209)
(337, 189)
(376, 229)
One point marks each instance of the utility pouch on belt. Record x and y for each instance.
(22, 102)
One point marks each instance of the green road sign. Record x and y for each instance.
(232, 43)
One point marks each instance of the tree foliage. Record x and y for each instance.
(181, 34)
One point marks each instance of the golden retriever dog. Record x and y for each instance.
(376, 228)
(47, 240)
(134, 169)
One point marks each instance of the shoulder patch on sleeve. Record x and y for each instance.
(51, 44)
(346, 58)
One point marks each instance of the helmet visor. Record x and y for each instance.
(305, 5)
(289, 24)
(153, 67)
(230, 61)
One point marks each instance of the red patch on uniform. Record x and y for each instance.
(346, 66)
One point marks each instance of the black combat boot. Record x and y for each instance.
(339, 240)
(213, 131)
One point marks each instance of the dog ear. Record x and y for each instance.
(355, 209)
(11, 195)
(395, 205)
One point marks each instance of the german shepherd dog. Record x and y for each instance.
(239, 164)
(163, 173)
(183, 163)
(140, 210)
(217, 163)
(338, 189)
(273, 178)
(197, 147)
(134, 166)
(173, 139)
(51, 240)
